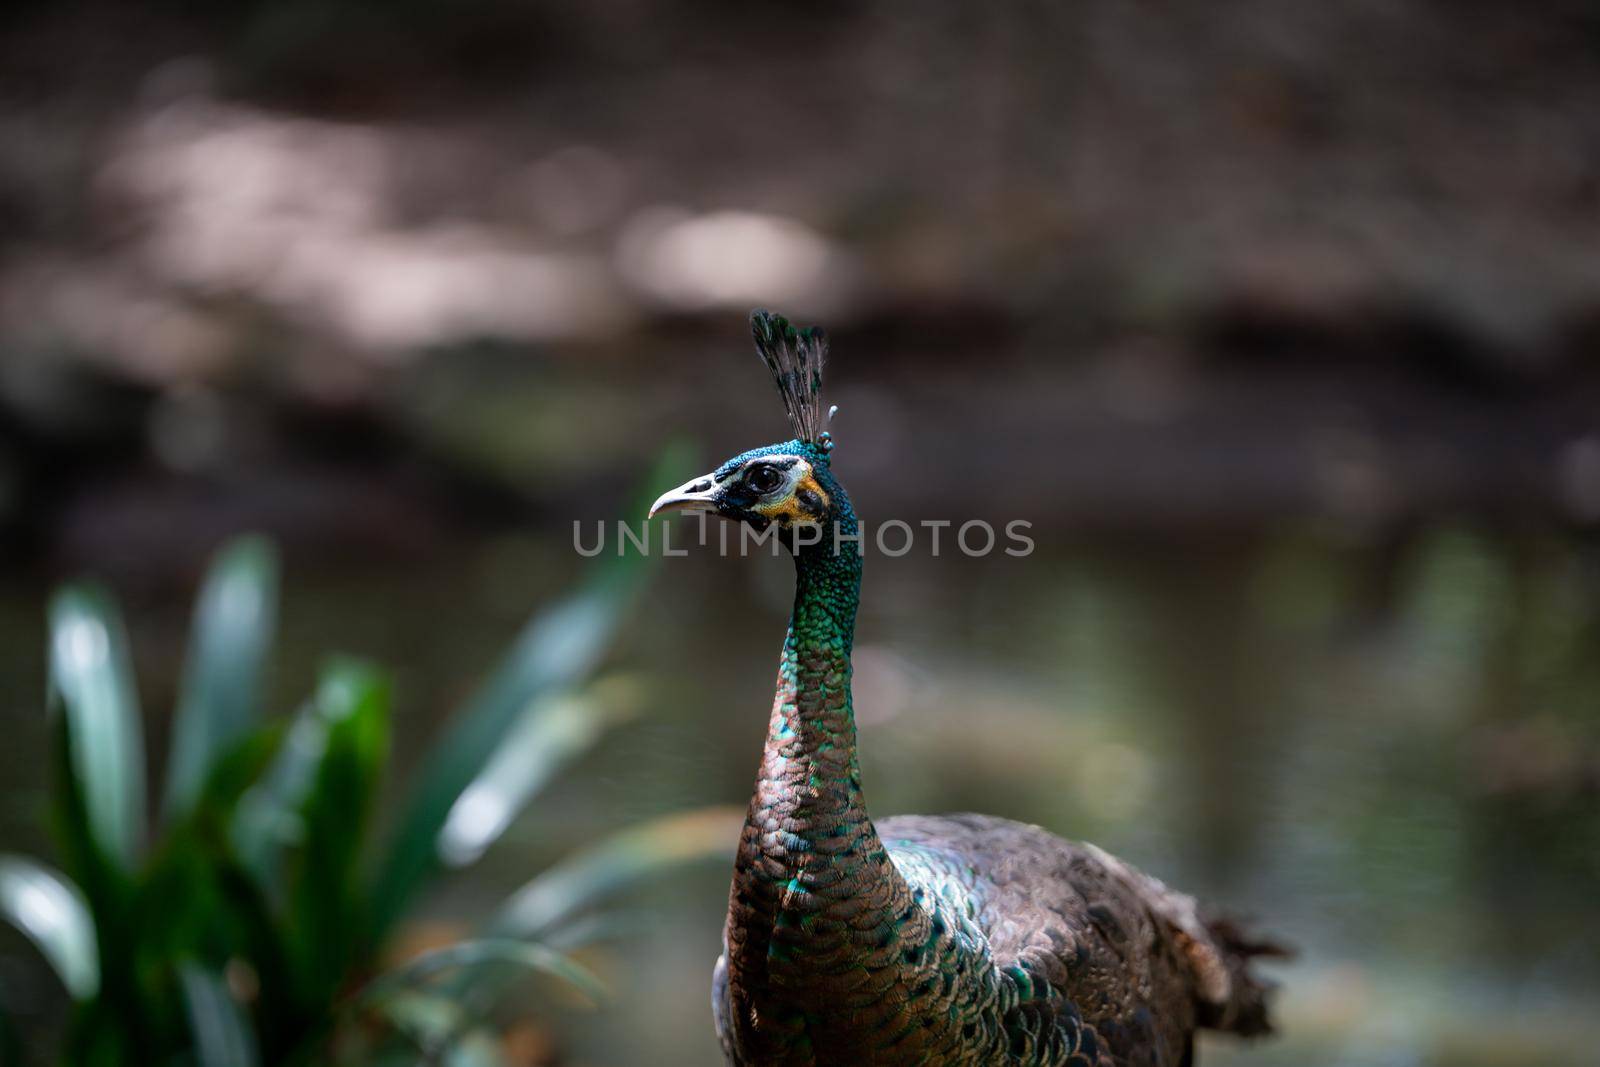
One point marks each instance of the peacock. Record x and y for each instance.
(930, 940)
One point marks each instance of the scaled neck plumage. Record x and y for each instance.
(814, 891)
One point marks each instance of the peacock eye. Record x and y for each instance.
(762, 478)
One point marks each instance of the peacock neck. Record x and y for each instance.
(810, 750)
(815, 895)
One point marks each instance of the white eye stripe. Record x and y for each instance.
(782, 462)
(797, 469)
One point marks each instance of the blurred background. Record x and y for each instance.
(1277, 321)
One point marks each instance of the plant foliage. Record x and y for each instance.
(254, 926)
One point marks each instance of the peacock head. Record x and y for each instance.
(788, 484)
(785, 484)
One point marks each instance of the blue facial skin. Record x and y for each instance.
(736, 500)
(816, 456)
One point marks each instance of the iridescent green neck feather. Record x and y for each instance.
(816, 898)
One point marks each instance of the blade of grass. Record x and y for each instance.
(228, 647)
(91, 682)
(555, 650)
(616, 863)
(554, 732)
(50, 911)
(222, 1038)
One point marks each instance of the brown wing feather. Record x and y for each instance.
(1132, 957)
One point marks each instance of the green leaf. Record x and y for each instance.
(234, 773)
(327, 897)
(557, 649)
(434, 1024)
(553, 652)
(189, 905)
(616, 863)
(262, 941)
(51, 912)
(464, 957)
(222, 1037)
(427, 1020)
(100, 1031)
(442, 1031)
(91, 683)
(476, 1049)
(618, 926)
(228, 648)
(269, 817)
(555, 731)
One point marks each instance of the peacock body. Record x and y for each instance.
(942, 940)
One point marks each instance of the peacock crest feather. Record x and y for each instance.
(795, 357)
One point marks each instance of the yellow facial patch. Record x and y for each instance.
(785, 510)
(808, 484)
(793, 507)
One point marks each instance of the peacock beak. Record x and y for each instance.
(699, 494)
